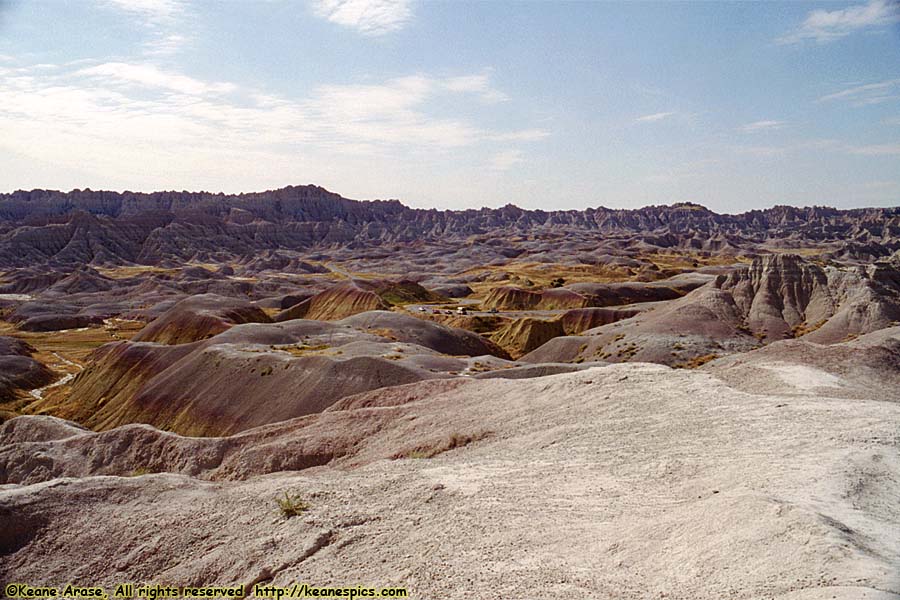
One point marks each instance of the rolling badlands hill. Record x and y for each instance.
(99, 227)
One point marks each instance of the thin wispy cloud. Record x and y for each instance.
(758, 126)
(147, 75)
(763, 151)
(682, 171)
(867, 94)
(507, 159)
(166, 45)
(160, 19)
(369, 17)
(479, 85)
(524, 135)
(151, 11)
(876, 150)
(882, 184)
(654, 117)
(818, 148)
(824, 26)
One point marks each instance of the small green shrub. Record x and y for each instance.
(292, 505)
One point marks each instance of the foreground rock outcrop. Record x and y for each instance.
(632, 481)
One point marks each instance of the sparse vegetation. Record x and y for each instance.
(697, 361)
(304, 350)
(479, 367)
(292, 505)
(382, 332)
(455, 440)
(804, 328)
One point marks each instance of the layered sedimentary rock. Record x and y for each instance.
(514, 298)
(200, 317)
(775, 297)
(521, 336)
(256, 373)
(18, 370)
(356, 296)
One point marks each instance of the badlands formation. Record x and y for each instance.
(496, 403)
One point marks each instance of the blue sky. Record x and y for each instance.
(553, 105)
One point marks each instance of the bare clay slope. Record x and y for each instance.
(866, 367)
(18, 370)
(627, 481)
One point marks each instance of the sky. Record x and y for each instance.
(455, 104)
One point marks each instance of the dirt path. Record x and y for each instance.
(38, 393)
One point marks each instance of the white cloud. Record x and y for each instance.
(762, 126)
(141, 121)
(476, 84)
(150, 76)
(369, 17)
(825, 26)
(389, 112)
(654, 117)
(502, 161)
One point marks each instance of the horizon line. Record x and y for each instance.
(676, 204)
